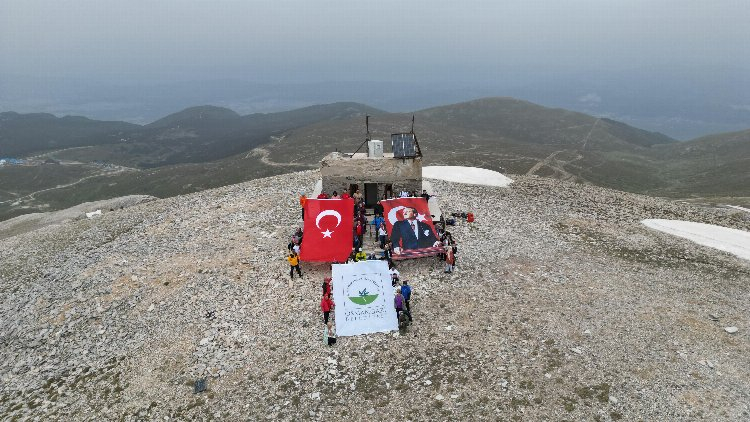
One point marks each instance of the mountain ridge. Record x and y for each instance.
(183, 153)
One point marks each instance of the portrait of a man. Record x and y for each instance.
(411, 233)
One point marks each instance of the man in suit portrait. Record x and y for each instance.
(411, 233)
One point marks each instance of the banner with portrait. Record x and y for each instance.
(410, 228)
(364, 298)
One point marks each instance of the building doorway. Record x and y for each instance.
(353, 188)
(371, 194)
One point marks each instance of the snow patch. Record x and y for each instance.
(737, 207)
(736, 242)
(470, 175)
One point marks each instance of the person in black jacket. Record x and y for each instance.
(378, 209)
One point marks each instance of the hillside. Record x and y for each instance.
(717, 164)
(503, 134)
(195, 149)
(25, 134)
(563, 306)
(202, 115)
(206, 147)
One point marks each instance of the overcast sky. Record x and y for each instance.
(329, 40)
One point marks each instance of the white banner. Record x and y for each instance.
(364, 298)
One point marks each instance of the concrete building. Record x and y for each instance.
(375, 173)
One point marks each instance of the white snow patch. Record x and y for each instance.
(470, 175)
(734, 241)
(737, 207)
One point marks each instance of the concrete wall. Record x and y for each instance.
(338, 171)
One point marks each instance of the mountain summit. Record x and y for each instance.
(562, 306)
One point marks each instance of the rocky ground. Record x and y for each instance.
(563, 307)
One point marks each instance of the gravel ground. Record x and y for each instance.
(562, 306)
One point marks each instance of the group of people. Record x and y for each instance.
(401, 303)
(408, 233)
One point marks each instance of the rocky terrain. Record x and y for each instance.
(563, 307)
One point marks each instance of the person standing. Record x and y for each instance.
(377, 221)
(302, 203)
(326, 286)
(357, 196)
(329, 334)
(388, 253)
(359, 229)
(326, 305)
(360, 255)
(406, 294)
(449, 259)
(398, 303)
(293, 259)
(382, 234)
(378, 208)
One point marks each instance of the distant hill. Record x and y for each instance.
(530, 123)
(207, 146)
(193, 135)
(718, 165)
(504, 134)
(24, 134)
(204, 115)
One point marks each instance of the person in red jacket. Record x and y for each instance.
(359, 229)
(327, 285)
(326, 305)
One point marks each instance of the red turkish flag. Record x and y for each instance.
(328, 230)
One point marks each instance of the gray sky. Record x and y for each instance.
(328, 40)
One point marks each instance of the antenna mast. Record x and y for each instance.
(367, 137)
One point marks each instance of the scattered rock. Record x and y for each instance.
(562, 256)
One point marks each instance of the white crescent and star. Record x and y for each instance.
(327, 233)
(392, 215)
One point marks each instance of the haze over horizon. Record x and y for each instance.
(669, 66)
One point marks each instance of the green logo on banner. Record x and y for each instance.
(364, 298)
